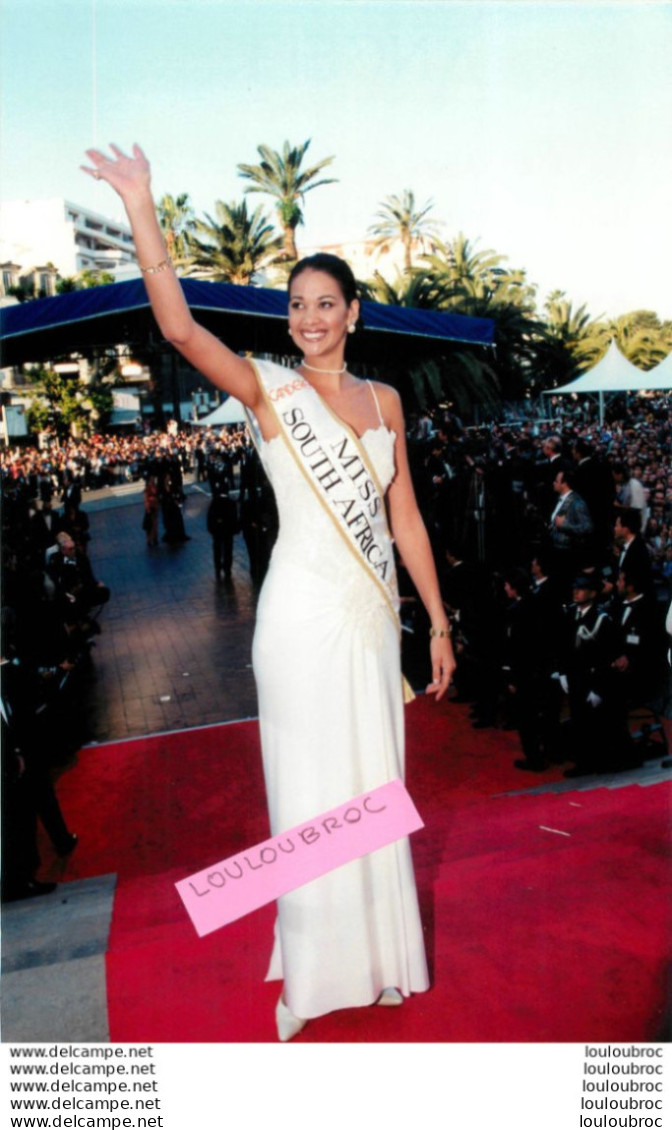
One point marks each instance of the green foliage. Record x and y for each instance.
(535, 349)
(399, 220)
(280, 175)
(580, 342)
(67, 403)
(233, 246)
(461, 377)
(85, 280)
(414, 288)
(57, 400)
(66, 285)
(461, 280)
(90, 278)
(462, 269)
(101, 399)
(22, 292)
(573, 343)
(38, 414)
(176, 219)
(642, 337)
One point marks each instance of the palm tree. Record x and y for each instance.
(400, 220)
(417, 288)
(573, 342)
(461, 375)
(642, 338)
(462, 270)
(565, 323)
(280, 175)
(176, 219)
(234, 246)
(476, 284)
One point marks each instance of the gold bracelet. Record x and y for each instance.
(440, 633)
(158, 268)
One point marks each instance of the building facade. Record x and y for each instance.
(41, 240)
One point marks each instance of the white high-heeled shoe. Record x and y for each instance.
(391, 998)
(288, 1024)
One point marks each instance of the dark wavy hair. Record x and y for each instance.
(337, 269)
(331, 265)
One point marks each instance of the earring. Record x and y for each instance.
(351, 328)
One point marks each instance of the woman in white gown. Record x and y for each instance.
(326, 647)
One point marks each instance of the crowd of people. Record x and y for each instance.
(51, 604)
(111, 461)
(51, 599)
(553, 537)
(557, 539)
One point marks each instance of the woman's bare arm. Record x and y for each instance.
(130, 177)
(410, 535)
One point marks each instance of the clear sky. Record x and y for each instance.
(541, 130)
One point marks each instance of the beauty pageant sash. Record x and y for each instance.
(336, 465)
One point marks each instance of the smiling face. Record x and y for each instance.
(319, 317)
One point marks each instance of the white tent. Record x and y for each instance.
(614, 373)
(230, 412)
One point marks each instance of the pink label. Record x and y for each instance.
(226, 891)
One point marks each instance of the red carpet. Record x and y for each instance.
(532, 935)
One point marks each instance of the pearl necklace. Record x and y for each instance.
(330, 372)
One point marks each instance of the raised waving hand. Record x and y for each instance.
(127, 175)
(130, 177)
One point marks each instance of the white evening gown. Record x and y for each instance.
(327, 665)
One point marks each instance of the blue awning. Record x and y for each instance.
(246, 317)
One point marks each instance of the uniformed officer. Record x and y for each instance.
(590, 649)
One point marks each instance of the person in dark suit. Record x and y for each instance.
(595, 485)
(27, 787)
(258, 515)
(200, 460)
(76, 523)
(220, 470)
(546, 594)
(585, 673)
(77, 590)
(223, 525)
(570, 527)
(43, 526)
(520, 670)
(633, 555)
(548, 612)
(435, 487)
(20, 857)
(546, 471)
(72, 491)
(638, 667)
(640, 642)
(460, 580)
(477, 626)
(172, 499)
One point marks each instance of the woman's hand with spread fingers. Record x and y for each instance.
(129, 176)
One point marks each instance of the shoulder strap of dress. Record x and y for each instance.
(375, 400)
